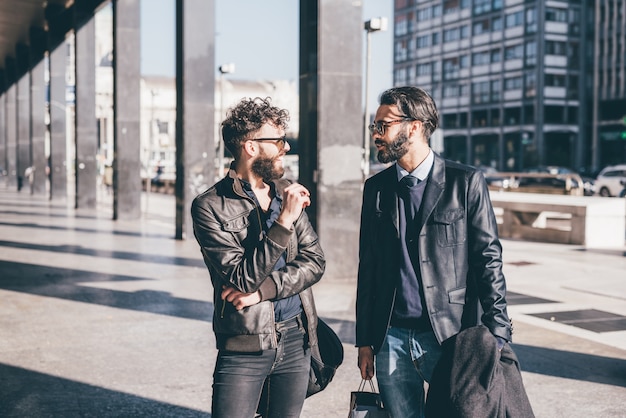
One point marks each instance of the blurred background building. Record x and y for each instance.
(519, 83)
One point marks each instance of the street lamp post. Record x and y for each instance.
(373, 25)
(224, 69)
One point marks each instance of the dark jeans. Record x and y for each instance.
(239, 377)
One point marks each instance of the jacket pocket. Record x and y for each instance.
(450, 226)
(457, 296)
(237, 224)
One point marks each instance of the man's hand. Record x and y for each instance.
(238, 299)
(296, 197)
(366, 362)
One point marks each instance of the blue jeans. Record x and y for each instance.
(405, 361)
(239, 377)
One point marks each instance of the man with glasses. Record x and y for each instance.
(263, 257)
(430, 259)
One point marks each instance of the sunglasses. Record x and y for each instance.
(381, 126)
(279, 142)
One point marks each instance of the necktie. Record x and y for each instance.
(409, 181)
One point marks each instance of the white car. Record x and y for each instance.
(611, 180)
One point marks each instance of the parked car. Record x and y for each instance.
(609, 181)
(588, 182)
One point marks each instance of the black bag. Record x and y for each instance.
(326, 357)
(364, 404)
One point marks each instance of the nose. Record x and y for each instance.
(286, 147)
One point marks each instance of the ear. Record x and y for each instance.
(250, 148)
(416, 128)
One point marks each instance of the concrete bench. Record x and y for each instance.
(594, 222)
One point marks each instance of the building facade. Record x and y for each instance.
(513, 79)
(609, 139)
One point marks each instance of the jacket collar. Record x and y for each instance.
(432, 193)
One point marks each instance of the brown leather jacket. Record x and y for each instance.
(460, 256)
(227, 225)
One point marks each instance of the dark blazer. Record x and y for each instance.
(472, 379)
(460, 256)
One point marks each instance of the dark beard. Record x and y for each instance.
(264, 167)
(394, 151)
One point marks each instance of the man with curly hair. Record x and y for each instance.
(263, 257)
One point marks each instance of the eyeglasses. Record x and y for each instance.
(279, 142)
(381, 126)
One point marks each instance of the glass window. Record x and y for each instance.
(424, 69)
(513, 83)
(513, 52)
(531, 52)
(555, 80)
(451, 68)
(482, 6)
(401, 51)
(450, 90)
(402, 25)
(495, 90)
(482, 26)
(480, 58)
(464, 31)
(463, 90)
(496, 56)
(480, 92)
(555, 48)
(496, 24)
(423, 41)
(424, 14)
(514, 19)
(450, 35)
(556, 15)
(531, 20)
(530, 89)
(450, 6)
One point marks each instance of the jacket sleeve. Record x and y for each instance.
(485, 258)
(305, 266)
(365, 278)
(243, 263)
(249, 266)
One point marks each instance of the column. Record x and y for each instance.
(126, 109)
(3, 128)
(331, 126)
(11, 137)
(59, 22)
(37, 110)
(85, 113)
(23, 165)
(195, 107)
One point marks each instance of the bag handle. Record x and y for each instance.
(372, 387)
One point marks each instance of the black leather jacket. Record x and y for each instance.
(227, 225)
(460, 256)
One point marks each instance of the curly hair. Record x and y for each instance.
(247, 117)
(416, 104)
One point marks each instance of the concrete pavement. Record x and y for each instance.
(102, 318)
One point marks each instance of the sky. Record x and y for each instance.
(261, 38)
